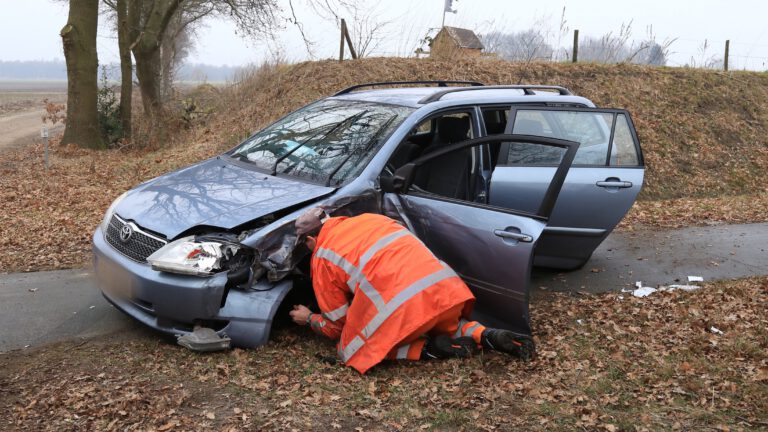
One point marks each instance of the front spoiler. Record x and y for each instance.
(173, 303)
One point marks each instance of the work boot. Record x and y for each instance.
(443, 347)
(509, 342)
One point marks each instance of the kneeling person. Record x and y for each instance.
(384, 295)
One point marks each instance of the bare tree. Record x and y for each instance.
(366, 30)
(159, 34)
(79, 39)
(524, 46)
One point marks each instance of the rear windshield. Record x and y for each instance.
(328, 141)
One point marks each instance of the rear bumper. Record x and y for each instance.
(173, 303)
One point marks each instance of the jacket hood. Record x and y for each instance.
(216, 193)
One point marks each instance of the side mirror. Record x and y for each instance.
(398, 182)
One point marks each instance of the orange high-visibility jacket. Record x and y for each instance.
(376, 283)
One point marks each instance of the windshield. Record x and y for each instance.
(328, 141)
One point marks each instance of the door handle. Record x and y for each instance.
(513, 236)
(614, 184)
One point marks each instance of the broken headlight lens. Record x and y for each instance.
(192, 257)
(110, 212)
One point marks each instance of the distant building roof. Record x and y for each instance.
(464, 38)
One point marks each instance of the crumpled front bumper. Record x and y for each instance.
(174, 303)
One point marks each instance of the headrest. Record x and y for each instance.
(453, 129)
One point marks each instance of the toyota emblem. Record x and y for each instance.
(125, 233)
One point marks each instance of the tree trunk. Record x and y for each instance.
(146, 51)
(79, 39)
(126, 67)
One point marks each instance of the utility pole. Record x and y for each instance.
(727, 53)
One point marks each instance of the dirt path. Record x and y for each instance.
(20, 128)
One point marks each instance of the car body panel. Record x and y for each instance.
(584, 214)
(218, 193)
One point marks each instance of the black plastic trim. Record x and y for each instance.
(439, 83)
(528, 90)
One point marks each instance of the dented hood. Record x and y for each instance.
(217, 193)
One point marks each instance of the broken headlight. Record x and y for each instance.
(194, 256)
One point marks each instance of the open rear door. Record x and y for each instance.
(490, 247)
(601, 186)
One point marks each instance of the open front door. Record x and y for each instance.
(490, 247)
(601, 186)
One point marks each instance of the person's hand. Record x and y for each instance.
(300, 314)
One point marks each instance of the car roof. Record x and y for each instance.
(414, 96)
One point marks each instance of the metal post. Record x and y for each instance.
(575, 46)
(727, 52)
(44, 136)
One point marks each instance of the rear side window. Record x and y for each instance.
(623, 152)
(593, 131)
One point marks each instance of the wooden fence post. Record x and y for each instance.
(345, 36)
(341, 41)
(575, 46)
(727, 52)
(349, 41)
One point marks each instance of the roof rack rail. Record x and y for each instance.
(528, 90)
(439, 83)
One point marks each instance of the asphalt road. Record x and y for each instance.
(39, 308)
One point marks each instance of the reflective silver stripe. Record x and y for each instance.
(462, 323)
(379, 245)
(371, 293)
(405, 295)
(337, 313)
(347, 352)
(359, 277)
(471, 330)
(340, 261)
(402, 352)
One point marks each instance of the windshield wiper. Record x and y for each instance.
(336, 126)
(368, 145)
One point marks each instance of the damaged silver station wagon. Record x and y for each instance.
(493, 179)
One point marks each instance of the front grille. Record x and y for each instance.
(139, 245)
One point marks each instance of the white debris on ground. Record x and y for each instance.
(716, 330)
(644, 291)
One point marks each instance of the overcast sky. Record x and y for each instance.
(29, 28)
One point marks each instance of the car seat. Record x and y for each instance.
(447, 175)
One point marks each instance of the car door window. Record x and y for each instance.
(453, 175)
(591, 130)
(623, 151)
(597, 132)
